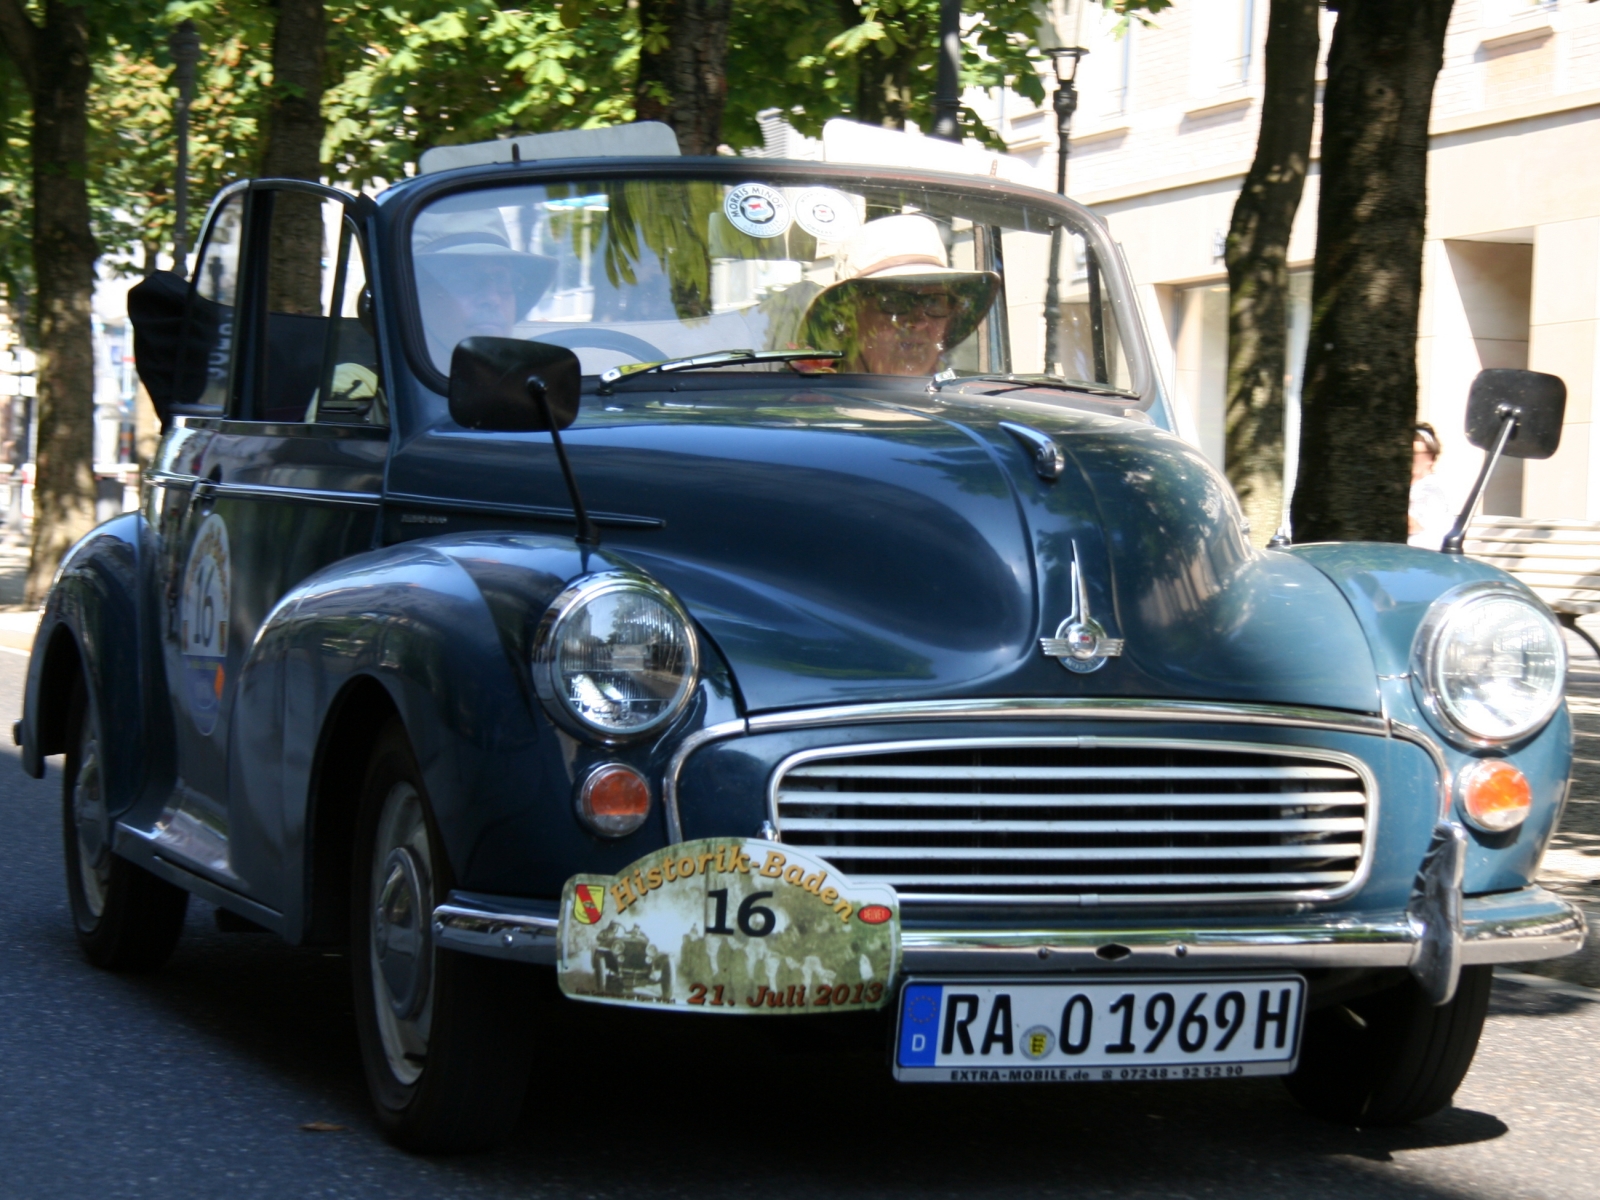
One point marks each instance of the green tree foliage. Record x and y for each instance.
(432, 72)
(875, 60)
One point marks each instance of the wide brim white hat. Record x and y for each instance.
(905, 250)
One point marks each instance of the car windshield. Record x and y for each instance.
(896, 279)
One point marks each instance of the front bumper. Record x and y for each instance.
(1520, 926)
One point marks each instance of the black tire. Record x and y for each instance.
(1391, 1057)
(126, 919)
(445, 1037)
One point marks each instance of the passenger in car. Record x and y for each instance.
(897, 307)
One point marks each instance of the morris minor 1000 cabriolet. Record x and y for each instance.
(773, 589)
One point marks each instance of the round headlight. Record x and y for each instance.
(1490, 663)
(616, 656)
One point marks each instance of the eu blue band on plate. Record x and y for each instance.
(919, 1024)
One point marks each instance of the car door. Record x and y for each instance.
(277, 476)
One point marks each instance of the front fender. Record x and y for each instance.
(1390, 588)
(445, 626)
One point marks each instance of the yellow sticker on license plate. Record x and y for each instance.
(731, 926)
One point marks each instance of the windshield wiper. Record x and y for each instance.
(722, 358)
(1051, 381)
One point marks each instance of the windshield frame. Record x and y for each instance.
(415, 195)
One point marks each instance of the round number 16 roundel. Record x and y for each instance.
(203, 622)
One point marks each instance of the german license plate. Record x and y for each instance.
(1105, 1029)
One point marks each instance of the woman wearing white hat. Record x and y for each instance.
(897, 308)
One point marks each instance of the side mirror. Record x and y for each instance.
(511, 386)
(1535, 401)
(1508, 412)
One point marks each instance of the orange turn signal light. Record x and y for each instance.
(614, 799)
(1495, 794)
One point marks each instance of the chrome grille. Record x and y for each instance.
(1082, 820)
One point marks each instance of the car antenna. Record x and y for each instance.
(587, 534)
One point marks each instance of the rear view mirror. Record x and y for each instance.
(1535, 401)
(511, 386)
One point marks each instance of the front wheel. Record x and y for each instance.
(126, 919)
(1391, 1057)
(444, 1036)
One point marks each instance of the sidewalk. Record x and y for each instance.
(13, 574)
(1571, 866)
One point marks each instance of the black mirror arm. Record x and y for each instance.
(587, 534)
(1458, 532)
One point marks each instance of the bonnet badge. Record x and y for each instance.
(1080, 643)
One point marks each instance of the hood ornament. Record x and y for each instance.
(1080, 643)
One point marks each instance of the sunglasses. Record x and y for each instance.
(936, 305)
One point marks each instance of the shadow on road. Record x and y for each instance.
(630, 1103)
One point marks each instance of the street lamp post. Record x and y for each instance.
(1065, 60)
(947, 100)
(185, 47)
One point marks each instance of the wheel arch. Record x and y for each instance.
(59, 672)
(358, 714)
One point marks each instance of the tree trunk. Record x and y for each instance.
(293, 150)
(683, 69)
(53, 60)
(1360, 395)
(1258, 265)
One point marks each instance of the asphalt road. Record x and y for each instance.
(198, 1081)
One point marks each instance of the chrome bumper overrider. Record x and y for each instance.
(1521, 926)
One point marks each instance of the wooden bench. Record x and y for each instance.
(1558, 560)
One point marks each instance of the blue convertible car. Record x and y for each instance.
(773, 589)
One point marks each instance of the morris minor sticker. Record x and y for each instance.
(757, 209)
(203, 622)
(730, 926)
(825, 214)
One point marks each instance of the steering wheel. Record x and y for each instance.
(599, 338)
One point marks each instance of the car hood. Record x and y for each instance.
(845, 546)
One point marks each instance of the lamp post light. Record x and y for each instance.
(185, 47)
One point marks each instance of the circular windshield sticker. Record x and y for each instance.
(825, 214)
(203, 622)
(757, 209)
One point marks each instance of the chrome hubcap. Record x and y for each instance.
(401, 941)
(93, 826)
(398, 936)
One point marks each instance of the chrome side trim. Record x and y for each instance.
(669, 784)
(1309, 895)
(169, 479)
(536, 511)
(1081, 710)
(520, 936)
(265, 491)
(272, 491)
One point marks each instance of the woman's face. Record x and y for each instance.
(1421, 460)
(901, 330)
